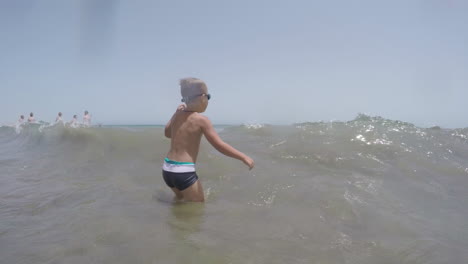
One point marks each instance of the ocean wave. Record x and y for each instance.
(253, 126)
(374, 141)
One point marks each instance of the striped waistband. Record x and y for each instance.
(177, 166)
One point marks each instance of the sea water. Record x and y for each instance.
(370, 190)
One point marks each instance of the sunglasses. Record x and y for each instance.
(208, 96)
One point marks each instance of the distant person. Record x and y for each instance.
(21, 120)
(185, 130)
(31, 118)
(86, 119)
(59, 119)
(73, 122)
(19, 124)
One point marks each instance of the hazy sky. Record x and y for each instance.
(274, 62)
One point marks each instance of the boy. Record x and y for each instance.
(185, 129)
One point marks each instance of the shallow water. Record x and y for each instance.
(370, 190)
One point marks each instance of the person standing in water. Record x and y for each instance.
(86, 119)
(31, 118)
(185, 130)
(59, 119)
(73, 122)
(19, 124)
(21, 120)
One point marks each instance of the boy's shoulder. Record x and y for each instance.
(200, 119)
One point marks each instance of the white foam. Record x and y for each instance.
(253, 125)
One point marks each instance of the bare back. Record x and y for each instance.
(186, 132)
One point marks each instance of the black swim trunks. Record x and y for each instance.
(180, 180)
(180, 175)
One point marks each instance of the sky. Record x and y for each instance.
(274, 62)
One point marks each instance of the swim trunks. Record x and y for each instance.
(179, 175)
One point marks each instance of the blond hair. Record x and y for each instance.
(190, 87)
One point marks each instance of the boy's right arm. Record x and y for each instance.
(220, 145)
(167, 128)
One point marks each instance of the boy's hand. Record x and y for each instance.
(181, 107)
(249, 162)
